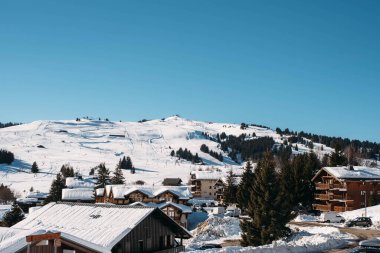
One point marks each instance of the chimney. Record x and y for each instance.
(350, 167)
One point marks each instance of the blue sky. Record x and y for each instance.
(306, 65)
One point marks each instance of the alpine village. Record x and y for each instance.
(242, 191)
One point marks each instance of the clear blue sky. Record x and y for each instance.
(307, 65)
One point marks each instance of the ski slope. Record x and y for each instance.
(86, 143)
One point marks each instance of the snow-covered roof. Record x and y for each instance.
(27, 200)
(207, 175)
(78, 194)
(120, 191)
(100, 225)
(183, 208)
(182, 192)
(37, 195)
(72, 182)
(99, 192)
(357, 173)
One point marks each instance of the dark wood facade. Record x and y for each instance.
(151, 235)
(340, 195)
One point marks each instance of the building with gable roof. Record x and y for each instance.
(346, 188)
(95, 228)
(207, 184)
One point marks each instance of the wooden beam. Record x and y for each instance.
(42, 237)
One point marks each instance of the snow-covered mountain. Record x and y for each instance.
(86, 143)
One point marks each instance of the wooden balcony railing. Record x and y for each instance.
(338, 197)
(337, 186)
(325, 186)
(342, 208)
(321, 186)
(323, 208)
(322, 196)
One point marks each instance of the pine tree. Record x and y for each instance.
(303, 168)
(67, 171)
(350, 154)
(230, 189)
(128, 164)
(337, 158)
(6, 194)
(103, 176)
(34, 168)
(265, 207)
(172, 153)
(244, 188)
(55, 193)
(118, 177)
(123, 163)
(13, 216)
(92, 172)
(287, 186)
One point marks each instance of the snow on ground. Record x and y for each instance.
(87, 143)
(373, 212)
(306, 218)
(215, 229)
(306, 239)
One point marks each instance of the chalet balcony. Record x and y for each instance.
(323, 208)
(173, 250)
(338, 197)
(322, 186)
(325, 186)
(337, 187)
(322, 196)
(342, 208)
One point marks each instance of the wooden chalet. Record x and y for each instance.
(206, 184)
(123, 194)
(172, 182)
(178, 212)
(172, 200)
(94, 228)
(346, 188)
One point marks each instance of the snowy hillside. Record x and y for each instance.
(85, 144)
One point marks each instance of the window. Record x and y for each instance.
(210, 187)
(168, 240)
(209, 193)
(362, 193)
(141, 246)
(171, 213)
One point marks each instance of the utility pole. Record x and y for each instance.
(365, 204)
